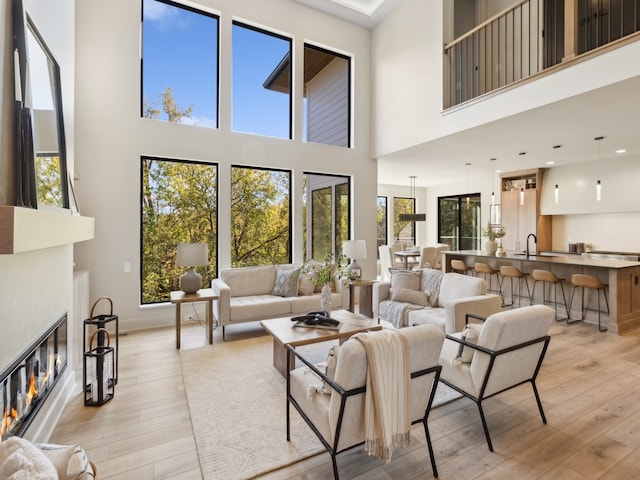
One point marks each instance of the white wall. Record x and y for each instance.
(111, 137)
(613, 223)
(37, 286)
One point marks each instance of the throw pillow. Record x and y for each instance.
(470, 334)
(431, 280)
(20, 458)
(70, 460)
(286, 284)
(406, 279)
(307, 283)
(409, 296)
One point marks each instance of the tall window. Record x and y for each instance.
(261, 73)
(327, 202)
(260, 216)
(327, 97)
(179, 64)
(403, 231)
(382, 221)
(459, 221)
(179, 204)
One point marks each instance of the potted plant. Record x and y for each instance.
(331, 267)
(493, 233)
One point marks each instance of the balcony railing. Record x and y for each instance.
(529, 37)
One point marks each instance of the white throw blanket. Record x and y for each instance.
(387, 413)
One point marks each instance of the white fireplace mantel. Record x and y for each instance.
(25, 229)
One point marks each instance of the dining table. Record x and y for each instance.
(406, 256)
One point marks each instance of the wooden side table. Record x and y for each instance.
(202, 295)
(366, 294)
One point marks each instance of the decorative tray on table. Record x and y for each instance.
(319, 319)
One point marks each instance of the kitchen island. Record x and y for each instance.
(621, 276)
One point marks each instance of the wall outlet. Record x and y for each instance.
(188, 317)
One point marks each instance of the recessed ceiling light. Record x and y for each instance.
(550, 162)
(621, 150)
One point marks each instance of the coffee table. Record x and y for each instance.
(284, 333)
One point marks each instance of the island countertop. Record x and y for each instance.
(549, 257)
(622, 278)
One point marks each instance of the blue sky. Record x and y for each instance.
(179, 51)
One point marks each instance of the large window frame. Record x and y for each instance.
(404, 231)
(382, 213)
(176, 99)
(248, 225)
(185, 211)
(332, 193)
(281, 69)
(327, 120)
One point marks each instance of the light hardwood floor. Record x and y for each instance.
(589, 385)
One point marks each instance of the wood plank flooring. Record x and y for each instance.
(589, 385)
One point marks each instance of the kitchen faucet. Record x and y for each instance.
(535, 240)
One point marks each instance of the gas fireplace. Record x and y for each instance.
(28, 381)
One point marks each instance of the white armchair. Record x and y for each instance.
(505, 351)
(338, 418)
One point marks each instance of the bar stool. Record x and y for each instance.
(579, 280)
(513, 272)
(460, 267)
(546, 276)
(485, 269)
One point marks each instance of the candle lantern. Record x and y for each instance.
(98, 371)
(97, 322)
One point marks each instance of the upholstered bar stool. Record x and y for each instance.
(460, 267)
(514, 272)
(486, 270)
(547, 277)
(579, 280)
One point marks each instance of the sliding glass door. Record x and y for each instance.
(459, 221)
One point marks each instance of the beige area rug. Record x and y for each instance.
(237, 406)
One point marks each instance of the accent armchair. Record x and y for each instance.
(338, 417)
(503, 352)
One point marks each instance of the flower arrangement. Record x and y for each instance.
(331, 266)
(493, 232)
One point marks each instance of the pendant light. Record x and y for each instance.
(468, 198)
(495, 210)
(556, 190)
(522, 188)
(413, 217)
(598, 183)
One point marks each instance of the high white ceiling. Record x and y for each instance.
(362, 12)
(611, 112)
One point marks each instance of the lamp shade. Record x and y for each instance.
(192, 255)
(355, 249)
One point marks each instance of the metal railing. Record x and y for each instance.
(529, 37)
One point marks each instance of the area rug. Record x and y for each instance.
(237, 406)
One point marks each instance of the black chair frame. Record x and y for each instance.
(344, 395)
(494, 354)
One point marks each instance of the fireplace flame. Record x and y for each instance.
(33, 390)
(7, 420)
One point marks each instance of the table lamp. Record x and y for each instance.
(191, 255)
(354, 249)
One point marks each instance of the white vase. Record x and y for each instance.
(490, 247)
(325, 298)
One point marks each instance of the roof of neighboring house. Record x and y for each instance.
(314, 61)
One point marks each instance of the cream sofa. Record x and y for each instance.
(246, 294)
(441, 299)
